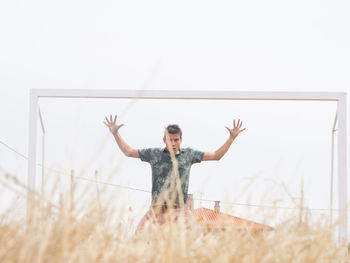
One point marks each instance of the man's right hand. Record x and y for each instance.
(112, 124)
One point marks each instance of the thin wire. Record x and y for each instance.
(25, 157)
(147, 191)
(205, 200)
(9, 147)
(267, 206)
(115, 185)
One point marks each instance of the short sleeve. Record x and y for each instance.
(197, 156)
(145, 154)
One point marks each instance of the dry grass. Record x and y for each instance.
(96, 233)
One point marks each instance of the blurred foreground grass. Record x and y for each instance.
(93, 232)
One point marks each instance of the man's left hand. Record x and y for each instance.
(236, 128)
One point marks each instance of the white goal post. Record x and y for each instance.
(339, 97)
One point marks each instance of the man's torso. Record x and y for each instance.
(167, 183)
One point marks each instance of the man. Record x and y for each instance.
(170, 167)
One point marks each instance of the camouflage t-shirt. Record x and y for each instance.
(164, 178)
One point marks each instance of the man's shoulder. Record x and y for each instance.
(186, 149)
(152, 150)
(156, 150)
(189, 150)
(193, 154)
(147, 154)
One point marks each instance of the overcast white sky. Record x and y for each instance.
(183, 45)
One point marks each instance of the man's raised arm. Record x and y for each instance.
(217, 155)
(114, 129)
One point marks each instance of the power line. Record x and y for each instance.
(115, 185)
(9, 147)
(25, 157)
(147, 191)
(208, 200)
(267, 206)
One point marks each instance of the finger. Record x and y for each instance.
(240, 125)
(106, 124)
(228, 129)
(107, 119)
(238, 122)
(115, 118)
(121, 125)
(242, 130)
(234, 123)
(111, 118)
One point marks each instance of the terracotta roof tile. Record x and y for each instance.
(213, 219)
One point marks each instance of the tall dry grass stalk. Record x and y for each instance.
(93, 232)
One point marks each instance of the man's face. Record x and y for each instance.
(175, 141)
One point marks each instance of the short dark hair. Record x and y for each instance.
(174, 129)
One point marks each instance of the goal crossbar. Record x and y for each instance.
(339, 97)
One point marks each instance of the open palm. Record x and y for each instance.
(236, 128)
(112, 124)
